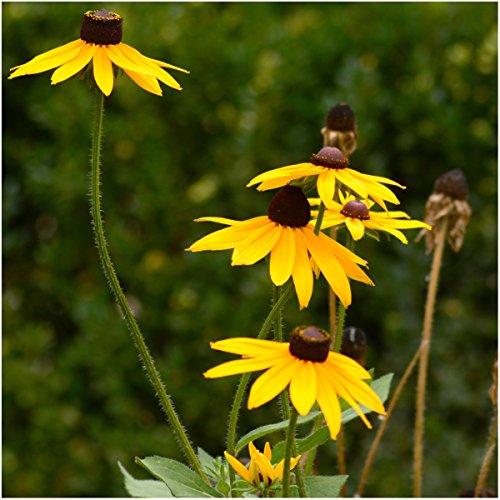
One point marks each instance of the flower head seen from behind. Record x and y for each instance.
(287, 233)
(100, 43)
(313, 372)
(357, 217)
(260, 470)
(332, 169)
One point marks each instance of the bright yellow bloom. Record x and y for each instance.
(332, 169)
(306, 364)
(260, 469)
(357, 216)
(100, 43)
(288, 235)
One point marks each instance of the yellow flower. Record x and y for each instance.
(287, 233)
(357, 216)
(332, 169)
(260, 469)
(313, 372)
(100, 42)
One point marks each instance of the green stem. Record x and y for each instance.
(319, 219)
(242, 386)
(290, 443)
(109, 271)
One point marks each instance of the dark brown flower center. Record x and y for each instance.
(341, 118)
(289, 207)
(452, 184)
(101, 27)
(330, 157)
(356, 209)
(310, 343)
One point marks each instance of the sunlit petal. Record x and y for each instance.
(256, 245)
(250, 347)
(283, 257)
(356, 228)
(296, 171)
(72, 67)
(239, 366)
(326, 185)
(302, 273)
(237, 466)
(303, 387)
(146, 82)
(328, 401)
(103, 71)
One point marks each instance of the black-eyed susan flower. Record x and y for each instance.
(100, 43)
(357, 216)
(305, 364)
(287, 233)
(260, 469)
(332, 169)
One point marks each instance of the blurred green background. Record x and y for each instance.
(422, 80)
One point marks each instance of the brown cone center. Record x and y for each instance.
(330, 157)
(101, 27)
(356, 209)
(289, 207)
(341, 118)
(310, 343)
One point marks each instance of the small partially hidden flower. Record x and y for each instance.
(313, 372)
(287, 233)
(448, 201)
(357, 217)
(332, 168)
(100, 43)
(260, 469)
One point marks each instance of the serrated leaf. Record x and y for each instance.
(144, 488)
(205, 459)
(324, 486)
(181, 480)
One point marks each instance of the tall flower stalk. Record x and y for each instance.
(114, 284)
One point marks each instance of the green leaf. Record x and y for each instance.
(144, 488)
(206, 460)
(181, 480)
(268, 429)
(324, 486)
(380, 386)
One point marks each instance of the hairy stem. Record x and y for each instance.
(109, 271)
(290, 444)
(424, 358)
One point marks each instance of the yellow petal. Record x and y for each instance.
(103, 71)
(237, 466)
(122, 61)
(228, 237)
(265, 467)
(267, 451)
(302, 271)
(276, 183)
(382, 227)
(303, 387)
(249, 347)
(356, 228)
(283, 257)
(348, 365)
(256, 245)
(75, 65)
(326, 185)
(49, 60)
(146, 82)
(253, 471)
(328, 401)
(385, 180)
(281, 466)
(272, 382)
(142, 61)
(329, 266)
(239, 366)
(347, 177)
(252, 450)
(166, 65)
(294, 171)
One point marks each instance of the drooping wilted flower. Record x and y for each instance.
(340, 129)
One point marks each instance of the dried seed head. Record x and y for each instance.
(310, 343)
(341, 118)
(340, 129)
(354, 344)
(448, 201)
(452, 184)
(101, 27)
(356, 209)
(330, 157)
(289, 207)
